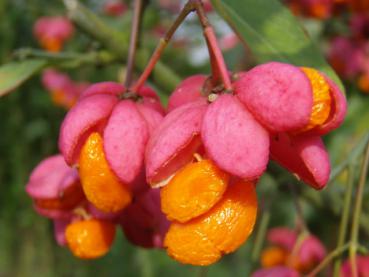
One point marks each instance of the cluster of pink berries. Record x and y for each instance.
(119, 147)
(294, 254)
(56, 187)
(290, 253)
(53, 32)
(277, 110)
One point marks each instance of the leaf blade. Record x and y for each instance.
(273, 33)
(14, 74)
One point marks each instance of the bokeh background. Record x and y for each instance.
(29, 125)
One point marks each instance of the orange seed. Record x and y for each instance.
(194, 190)
(223, 229)
(90, 239)
(321, 98)
(100, 184)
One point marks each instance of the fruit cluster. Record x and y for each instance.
(348, 54)
(184, 180)
(347, 50)
(52, 32)
(63, 90)
(294, 251)
(295, 254)
(89, 233)
(323, 9)
(87, 203)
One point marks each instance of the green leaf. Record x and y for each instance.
(273, 33)
(14, 74)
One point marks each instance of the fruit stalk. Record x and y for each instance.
(218, 65)
(187, 9)
(344, 218)
(138, 10)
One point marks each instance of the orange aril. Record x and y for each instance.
(321, 98)
(90, 239)
(67, 200)
(273, 256)
(100, 184)
(363, 83)
(194, 190)
(231, 222)
(51, 44)
(224, 228)
(186, 243)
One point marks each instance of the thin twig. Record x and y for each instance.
(117, 42)
(219, 68)
(328, 259)
(187, 9)
(344, 218)
(357, 211)
(260, 235)
(299, 212)
(217, 61)
(362, 250)
(138, 11)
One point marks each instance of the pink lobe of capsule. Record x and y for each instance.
(84, 118)
(305, 156)
(278, 95)
(187, 91)
(175, 141)
(125, 138)
(233, 139)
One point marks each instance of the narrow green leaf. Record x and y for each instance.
(273, 33)
(14, 74)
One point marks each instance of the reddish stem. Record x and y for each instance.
(219, 68)
(187, 9)
(215, 76)
(150, 66)
(218, 64)
(135, 30)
